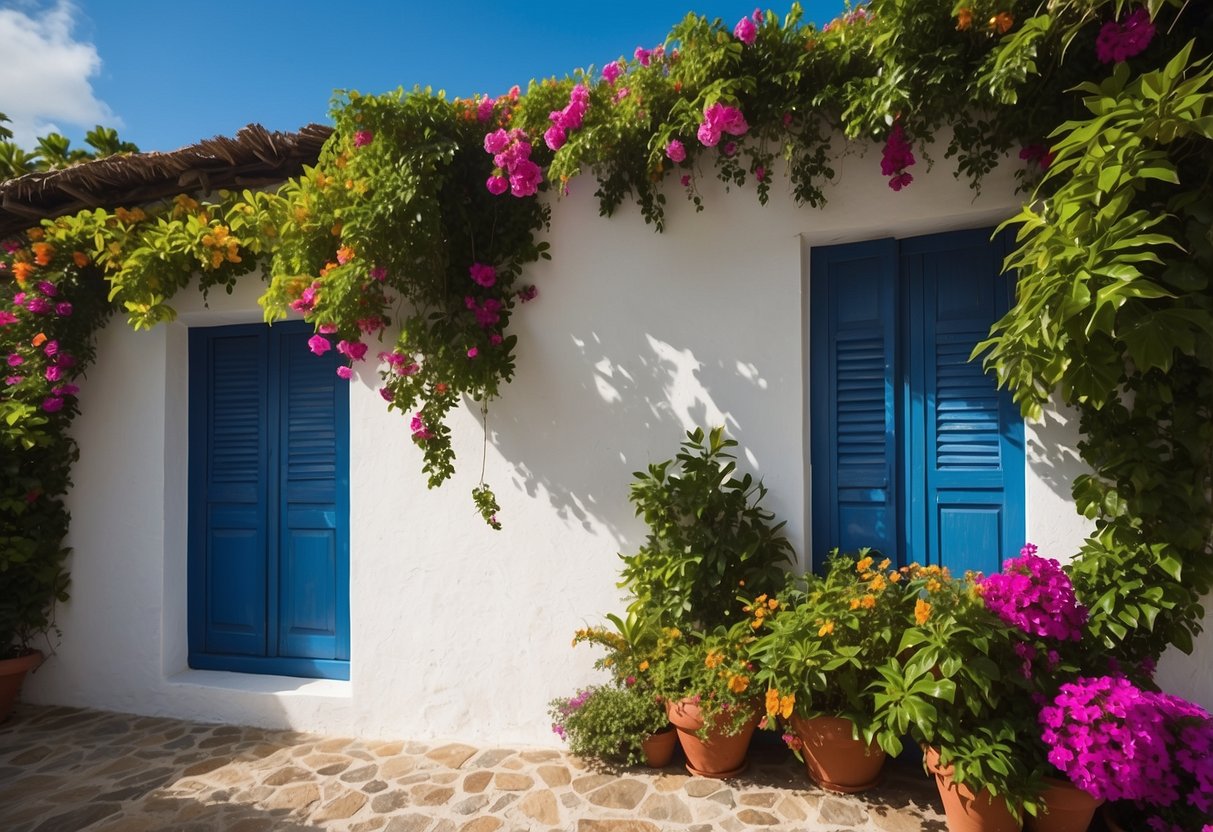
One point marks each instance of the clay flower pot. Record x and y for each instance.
(659, 748)
(720, 755)
(966, 811)
(836, 761)
(1070, 809)
(12, 674)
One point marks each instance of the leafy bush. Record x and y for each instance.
(609, 723)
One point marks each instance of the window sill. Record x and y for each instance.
(256, 683)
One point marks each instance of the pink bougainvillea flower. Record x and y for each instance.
(483, 274)
(386, 394)
(363, 137)
(11, 380)
(745, 31)
(327, 329)
(484, 110)
(525, 178)
(473, 352)
(760, 173)
(66, 390)
(496, 141)
(1038, 153)
(495, 339)
(15, 359)
(497, 185)
(900, 181)
(527, 293)
(721, 118)
(379, 273)
(52, 404)
(612, 71)
(47, 288)
(63, 309)
(896, 157)
(729, 148)
(555, 137)
(345, 371)
(1118, 42)
(643, 56)
(758, 16)
(417, 426)
(54, 373)
(319, 345)
(50, 347)
(1034, 594)
(675, 151)
(354, 350)
(38, 306)
(7, 318)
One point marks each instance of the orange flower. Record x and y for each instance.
(854, 603)
(826, 629)
(39, 339)
(738, 684)
(43, 252)
(922, 611)
(894, 577)
(1001, 23)
(714, 659)
(883, 565)
(933, 585)
(80, 259)
(644, 666)
(772, 702)
(868, 602)
(773, 604)
(22, 271)
(964, 19)
(786, 704)
(878, 583)
(35, 233)
(864, 565)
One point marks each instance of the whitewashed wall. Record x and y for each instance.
(459, 631)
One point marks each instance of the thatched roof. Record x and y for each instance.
(253, 158)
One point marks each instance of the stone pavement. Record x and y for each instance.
(66, 769)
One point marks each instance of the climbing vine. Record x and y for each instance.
(422, 213)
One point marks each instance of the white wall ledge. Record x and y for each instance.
(263, 684)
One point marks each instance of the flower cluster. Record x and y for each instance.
(567, 708)
(897, 156)
(721, 118)
(1119, 41)
(569, 118)
(746, 29)
(1119, 742)
(1035, 595)
(513, 168)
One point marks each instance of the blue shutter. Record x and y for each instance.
(964, 442)
(313, 578)
(852, 404)
(269, 504)
(229, 454)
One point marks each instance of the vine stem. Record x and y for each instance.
(484, 449)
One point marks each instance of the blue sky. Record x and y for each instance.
(169, 73)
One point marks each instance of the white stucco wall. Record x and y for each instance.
(459, 631)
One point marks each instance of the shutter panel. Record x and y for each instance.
(228, 575)
(965, 438)
(313, 574)
(852, 398)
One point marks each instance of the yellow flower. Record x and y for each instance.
(772, 702)
(756, 623)
(864, 565)
(738, 684)
(894, 577)
(773, 604)
(854, 603)
(644, 666)
(760, 600)
(826, 629)
(878, 583)
(714, 659)
(922, 611)
(884, 564)
(868, 602)
(786, 704)
(933, 585)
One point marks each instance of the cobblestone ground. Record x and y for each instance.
(65, 769)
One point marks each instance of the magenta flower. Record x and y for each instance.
(417, 426)
(319, 345)
(484, 110)
(1034, 594)
(47, 288)
(52, 404)
(362, 138)
(527, 294)
(495, 339)
(525, 178)
(354, 350)
(379, 273)
(686, 180)
(896, 157)
(497, 185)
(11, 380)
(555, 137)
(760, 173)
(473, 352)
(729, 148)
(496, 141)
(721, 118)
(37, 305)
(327, 329)
(345, 371)
(1038, 153)
(1118, 42)
(675, 151)
(306, 301)
(643, 56)
(7, 318)
(50, 347)
(15, 359)
(483, 274)
(758, 16)
(63, 309)
(66, 390)
(54, 373)
(745, 31)
(386, 394)
(611, 72)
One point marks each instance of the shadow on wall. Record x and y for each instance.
(1052, 455)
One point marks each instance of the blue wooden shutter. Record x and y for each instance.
(853, 366)
(229, 491)
(965, 445)
(313, 489)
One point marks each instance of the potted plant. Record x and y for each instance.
(1118, 741)
(821, 648)
(617, 724)
(707, 684)
(707, 537)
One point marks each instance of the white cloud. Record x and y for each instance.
(44, 74)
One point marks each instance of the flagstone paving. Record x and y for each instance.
(66, 769)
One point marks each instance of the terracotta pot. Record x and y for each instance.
(720, 755)
(1070, 809)
(659, 748)
(966, 811)
(836, 761)
(12, 674)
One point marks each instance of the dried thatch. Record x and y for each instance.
(253, 158)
